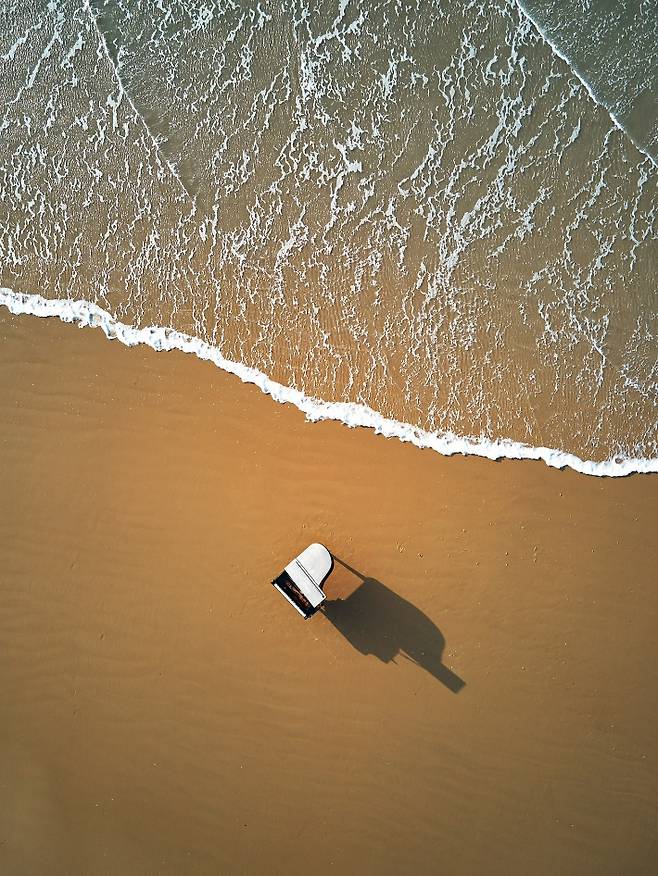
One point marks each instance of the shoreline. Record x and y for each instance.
(161, 338)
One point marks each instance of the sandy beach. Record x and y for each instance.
(479, 695)
(435, 221)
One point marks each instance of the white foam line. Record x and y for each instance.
(584, 82)
(85, 314)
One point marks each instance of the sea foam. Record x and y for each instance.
(160, 338)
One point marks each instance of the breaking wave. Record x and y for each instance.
(614, 52)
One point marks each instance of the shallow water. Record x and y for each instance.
(418, 208)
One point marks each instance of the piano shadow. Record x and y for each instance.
(376, 620)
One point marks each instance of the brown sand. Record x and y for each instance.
(164, 711)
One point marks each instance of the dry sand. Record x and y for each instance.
(484, 701)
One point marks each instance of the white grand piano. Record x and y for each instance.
(302, 579)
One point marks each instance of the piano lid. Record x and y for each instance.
(309, 570)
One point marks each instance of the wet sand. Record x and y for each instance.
(480, 698)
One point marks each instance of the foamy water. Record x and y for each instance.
(415, 218)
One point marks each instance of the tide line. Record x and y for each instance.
(85, 314)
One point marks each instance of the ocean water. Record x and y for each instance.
(434, 219)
